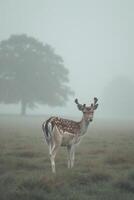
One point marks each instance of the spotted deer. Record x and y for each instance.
(64, 132)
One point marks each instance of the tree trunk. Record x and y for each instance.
(23, 107)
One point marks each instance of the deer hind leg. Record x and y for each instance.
(54, 151)
(71, 155)
(56, 143)
(52, 159)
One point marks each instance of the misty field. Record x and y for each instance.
(104, 166)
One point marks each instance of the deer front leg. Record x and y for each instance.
(69, 158)
(71, 155)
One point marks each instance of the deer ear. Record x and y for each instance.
(80, 107)
(92, 105)
(96, 106)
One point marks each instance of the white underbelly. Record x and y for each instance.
(69, 139)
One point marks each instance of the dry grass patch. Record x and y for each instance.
(93, 177)
(100, 177)
(27, 154)
(125, 185)
(117, 158)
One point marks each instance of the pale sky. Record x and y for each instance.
(94, 37)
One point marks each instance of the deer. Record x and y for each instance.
(67, 133)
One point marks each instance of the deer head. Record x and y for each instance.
(88, 111)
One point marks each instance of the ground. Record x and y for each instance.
(104, 166)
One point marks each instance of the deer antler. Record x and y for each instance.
(95, 100)
(94, 105)
(80, 106)
(76, 101)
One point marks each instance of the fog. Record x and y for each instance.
(95, 40)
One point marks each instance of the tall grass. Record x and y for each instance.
(103, 167)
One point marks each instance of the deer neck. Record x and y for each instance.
(84, 126)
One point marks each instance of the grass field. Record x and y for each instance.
(104, 166)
